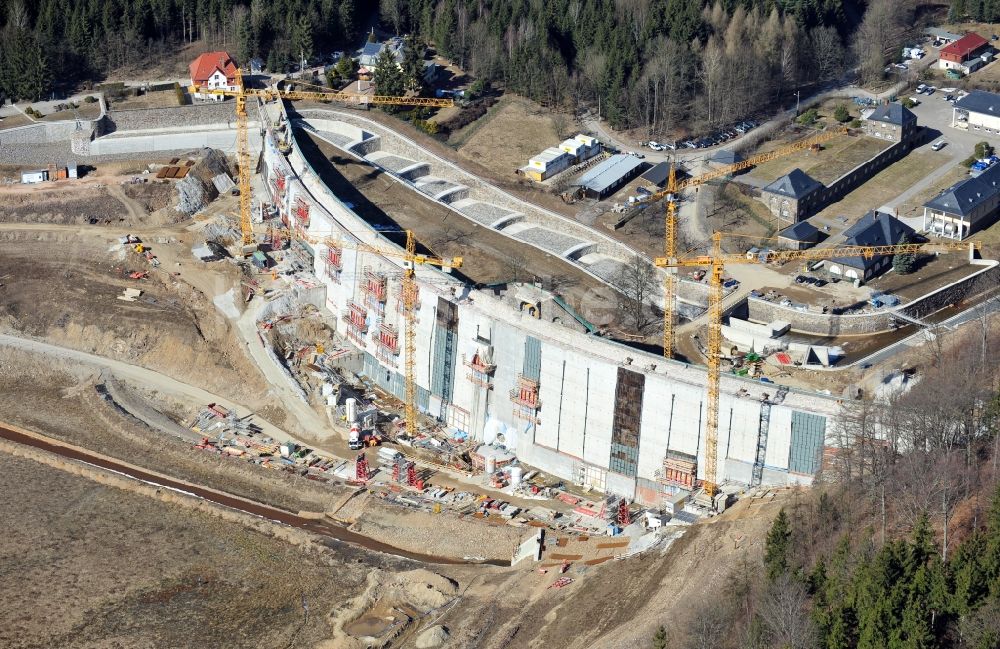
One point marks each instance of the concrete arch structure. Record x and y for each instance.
(581, 407)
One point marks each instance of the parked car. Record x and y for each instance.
(820, 282)
(799, 279)
(921, 88)
(670, 145)
(937, 146)
(731, 283)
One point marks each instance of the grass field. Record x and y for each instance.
(85, 111)
(109, 568)
(513, 131)
(915, 205)
(159, 99)
(839, 155)
(14, 121)
(884, 186)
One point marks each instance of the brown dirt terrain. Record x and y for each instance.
(509, 134)
(618, 603)
(489, 256)
(90, 202)
(165, 572)
(64, 288)
(65, 405)
(108, 568)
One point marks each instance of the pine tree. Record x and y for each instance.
(660, 639)
(971, 585)
(776, 546)
(387, 77)
(991, 556)
(902, 263)
(413, 65)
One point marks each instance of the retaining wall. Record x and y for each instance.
(139, 119)
(825, 324)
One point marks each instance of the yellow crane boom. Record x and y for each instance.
(410, 256)
(717, 260)
(410, 259)
(674, 187)
(268, 94)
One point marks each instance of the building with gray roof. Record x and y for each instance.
(964, 207)
(873, 229)
(942, 35)
(800, 236)
(792, 195)
(891, 121)
(608, 177)
(978, 109)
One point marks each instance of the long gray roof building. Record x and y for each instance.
(979, 101)
(610, 175)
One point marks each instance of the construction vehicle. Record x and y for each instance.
(249, 244)
(716, 262)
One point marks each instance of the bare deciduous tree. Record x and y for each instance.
(636, 282)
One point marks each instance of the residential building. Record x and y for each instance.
(965, 55)
(792, 196)
(368, 55)
(431, 72)
(964, 207)
(873, 229)
(608, 177)
(977, 110)
(799, 236)
(891, 121)
(214, 71)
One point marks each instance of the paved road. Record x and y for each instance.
(989, 307)
(604, 133)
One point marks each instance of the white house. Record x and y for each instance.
(214, 71)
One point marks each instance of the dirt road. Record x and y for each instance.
(321, 527)
(141, 375)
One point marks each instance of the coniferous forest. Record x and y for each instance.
(657, 64)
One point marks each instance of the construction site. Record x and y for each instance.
(324, 335)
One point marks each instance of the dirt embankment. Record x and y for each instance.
(64, 404)
(87, 203)
(64, 289)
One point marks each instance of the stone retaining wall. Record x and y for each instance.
(825, 324)
(139, 119)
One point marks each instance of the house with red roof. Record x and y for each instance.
(214, 70)
(966, 55)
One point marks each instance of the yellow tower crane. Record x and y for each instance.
(716, 262)
(411, 259)
(268, 94)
